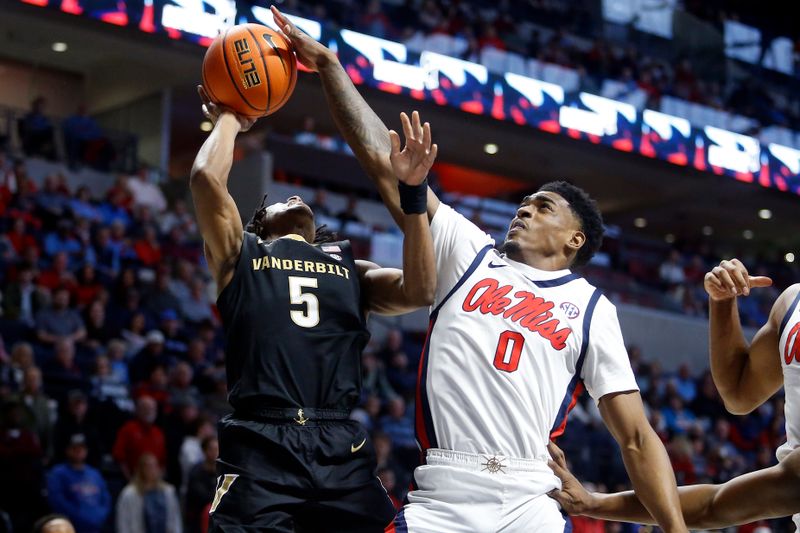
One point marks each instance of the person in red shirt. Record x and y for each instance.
(148, 249)
(19, 236)
(140, 436)
(58, 275)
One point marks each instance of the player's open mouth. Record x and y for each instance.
(516, 225)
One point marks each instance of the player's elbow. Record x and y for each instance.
(738, 404)
(422, 296)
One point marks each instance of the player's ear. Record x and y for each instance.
(577, 240)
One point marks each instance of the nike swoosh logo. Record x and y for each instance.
(354, 448)
(492, 265)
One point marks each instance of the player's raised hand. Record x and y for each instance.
(212, 111)
(412, 163)
(730, 279)
(311, 53)
(573, 497)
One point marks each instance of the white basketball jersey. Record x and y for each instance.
(789, 348)
(509, 348)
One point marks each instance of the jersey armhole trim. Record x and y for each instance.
(789, 314)
(235, 270)
(463, 278)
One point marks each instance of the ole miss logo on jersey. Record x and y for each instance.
(525, 308)
(791, 351)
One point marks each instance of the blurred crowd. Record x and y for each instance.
(571, 34)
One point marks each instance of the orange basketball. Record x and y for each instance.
(251, 69)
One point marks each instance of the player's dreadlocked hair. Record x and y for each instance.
(588, 214)
(257, 226)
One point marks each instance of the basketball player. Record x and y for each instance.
(746, 375)
(512, 337)
(294, 308)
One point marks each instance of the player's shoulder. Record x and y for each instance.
(785, 305)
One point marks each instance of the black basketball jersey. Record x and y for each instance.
(294, 326)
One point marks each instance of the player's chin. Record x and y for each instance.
(509, 245)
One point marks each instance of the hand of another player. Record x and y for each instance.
(573, 497)
(412, 163)
(212, 111)
(311, 53)
(730, 279)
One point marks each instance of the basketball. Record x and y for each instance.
(250, 69)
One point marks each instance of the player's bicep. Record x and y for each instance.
(217, 218)
(382, 290)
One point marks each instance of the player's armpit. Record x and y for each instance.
(383, 291)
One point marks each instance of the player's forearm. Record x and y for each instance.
(419, 267)
(653, 480)
(363, 130)
(729, 349)
(626, 507)
(215, 158)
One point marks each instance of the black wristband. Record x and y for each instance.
(413, 198)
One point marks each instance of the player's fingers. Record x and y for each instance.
(760, 281)
(739, 276)
(712, 280)
(426, 135)
(277, 15)
(725, 279)
(556, 453)
(394, 138)
(203, 94)
(416, 124)
(407, 130)
(432, 154)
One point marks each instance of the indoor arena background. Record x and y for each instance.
(681, 117)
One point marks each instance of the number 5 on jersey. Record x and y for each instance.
(309, 317)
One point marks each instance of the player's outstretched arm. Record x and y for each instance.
(762, 495)
(392, 291)
(217, 215)
(357, 122)
(645, 458)
(745, 374)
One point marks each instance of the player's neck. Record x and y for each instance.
(547, 263)
(300, 234)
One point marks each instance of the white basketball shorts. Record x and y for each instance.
(475, 493)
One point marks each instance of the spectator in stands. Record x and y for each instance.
(135, 334)
(178, 217)
(38, 409)
(20, 237)
(140, 436)
(84, 142)
(350, 212)
(367, 413)
(319, 203)
(145, 193)
(374, 380)
(398, 425)
(175, 342)
(23, 300)
(21, 461)
(58, 275)
(63, 241)
(159, 298)
(671, 271)
(107, 252)
(77, 490)
(114, 212)
(53, 523)
(373, 21)
(400, 374)
(148, 504)
(20, 360)
(37, 131)
(684, 384)
(59, 322)
(76, 420)
(62, 374)
(88, 287)
(109, 386)
(51, 201)
(201, 482)
(197, 308)
(155, 386)
(308, 136)
(191, 450)
(81, 205)
(180, 385)
(147, 248)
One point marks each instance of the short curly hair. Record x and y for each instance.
(257, 226)
(588, 214)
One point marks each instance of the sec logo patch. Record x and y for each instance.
(571, 310)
